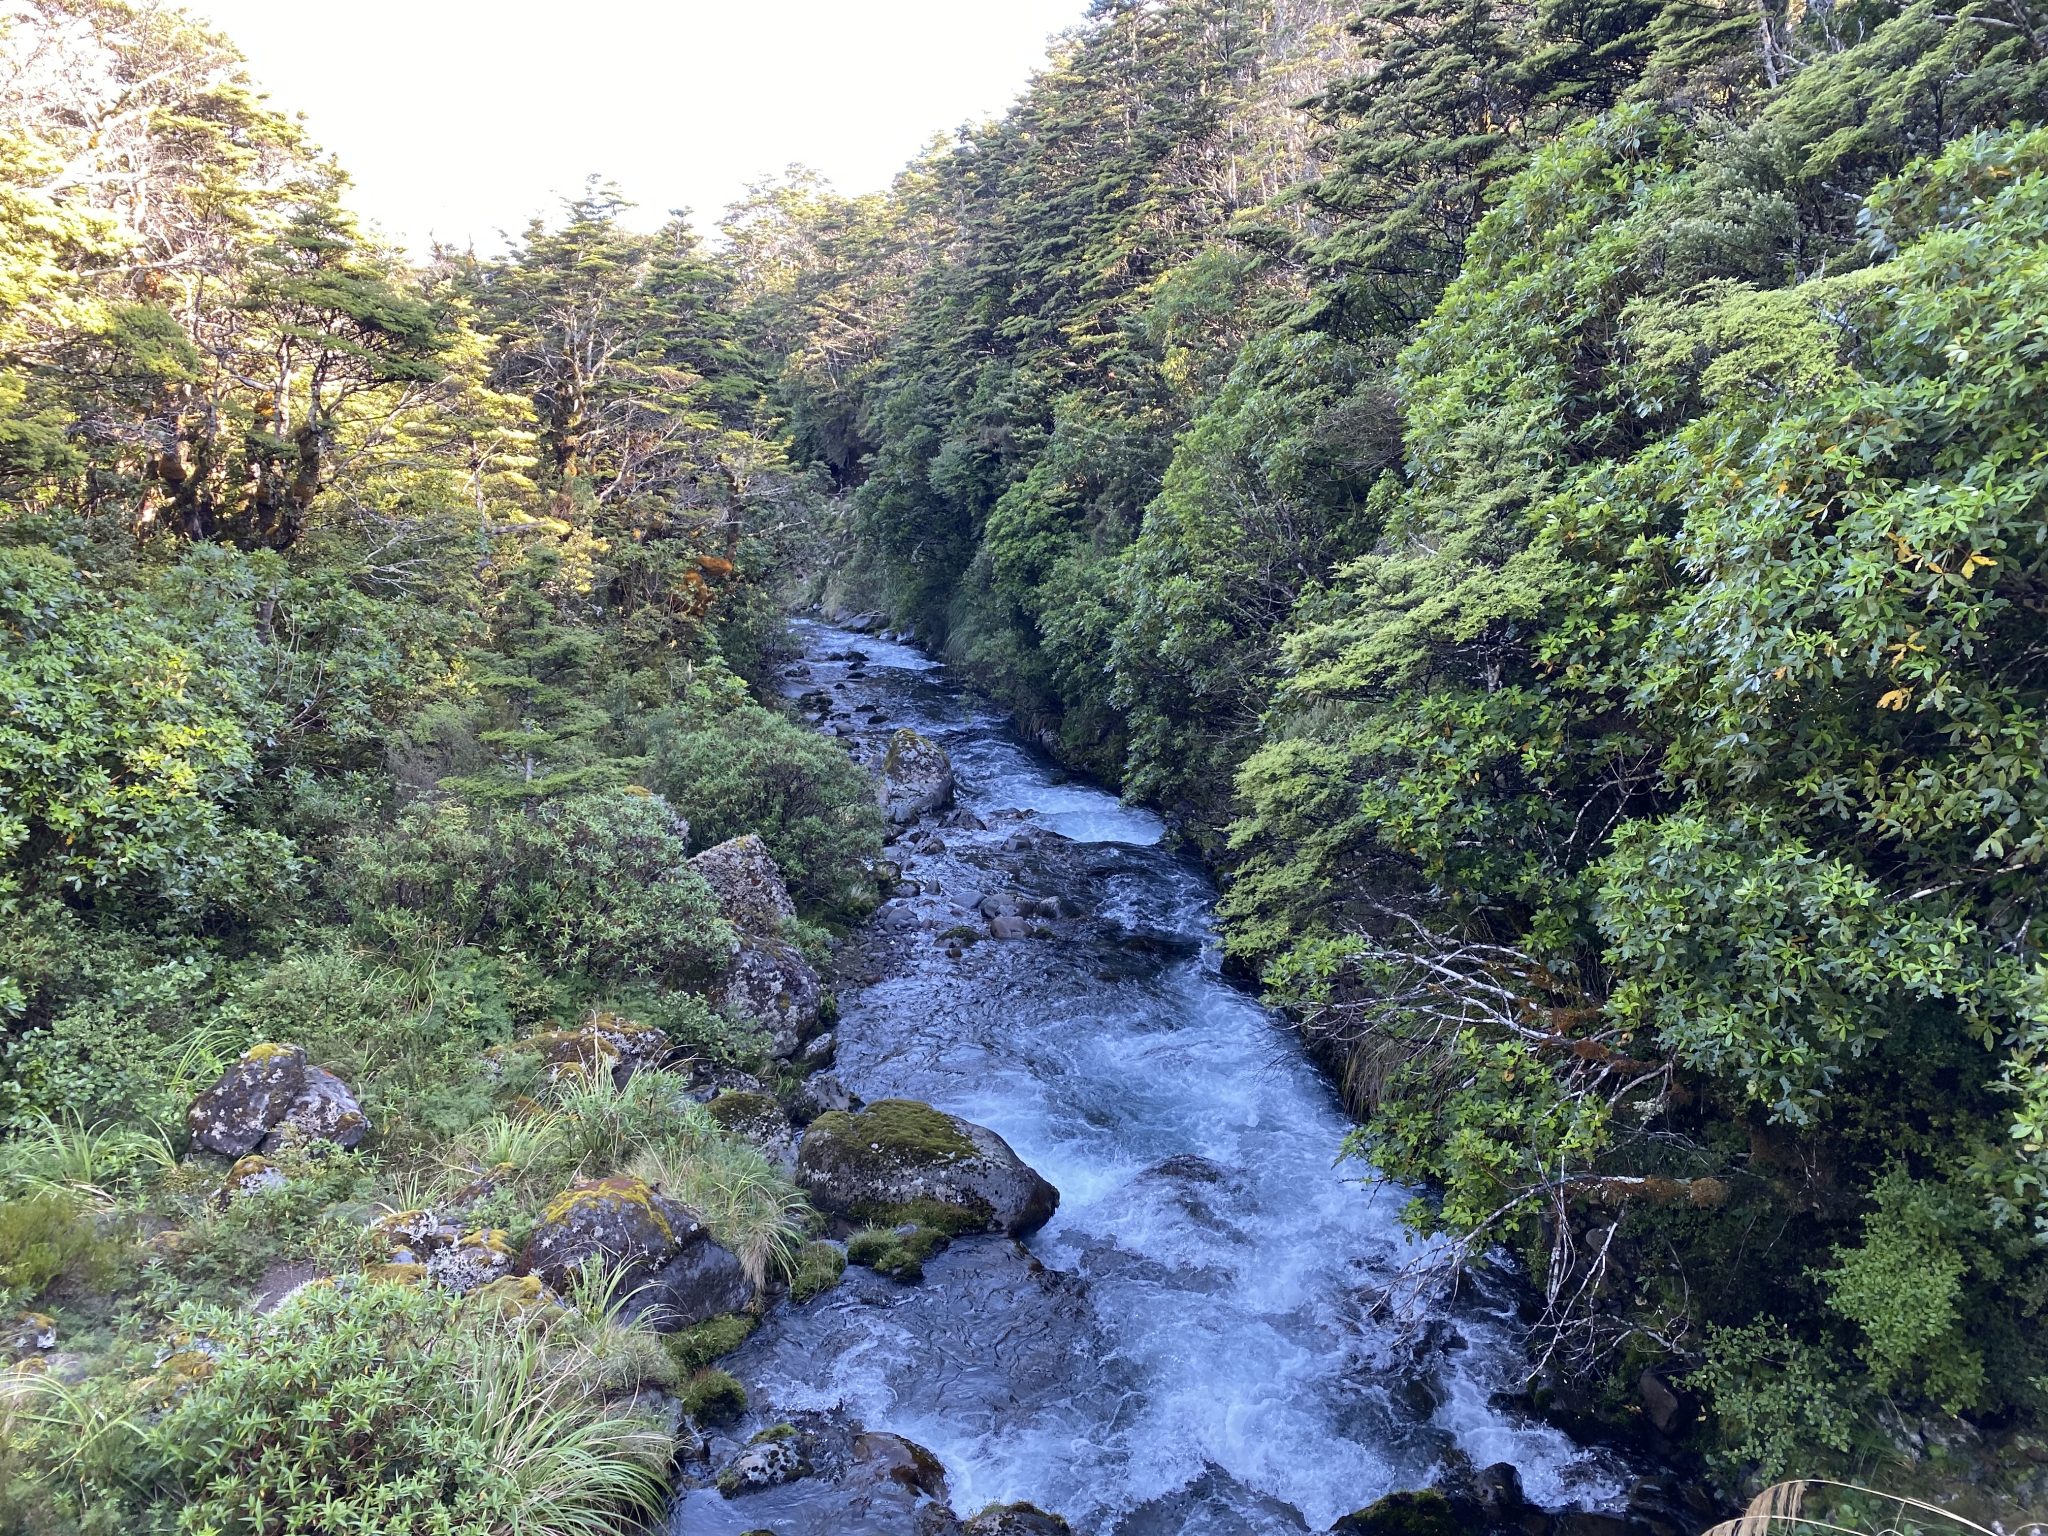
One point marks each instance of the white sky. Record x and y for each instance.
(461, 118)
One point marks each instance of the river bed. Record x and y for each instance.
(1217, 1334)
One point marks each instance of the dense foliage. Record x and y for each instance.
(375, 645)
(1560, 518)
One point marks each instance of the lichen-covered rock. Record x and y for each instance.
(756, 1118)
(411, 1237)
(605, 1044)
(917, 777)
(761, 1466)
(270, 1098)
(822, 1093)
(323, 1110)
(252, 1175)
(772, 986)
(1423, 1513)
(743, 876)
(900, 1161)
(671, 1272)
(28, 1333)
(472, 1262)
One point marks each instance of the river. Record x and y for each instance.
(1216, 1334)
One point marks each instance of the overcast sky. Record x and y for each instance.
(461, 118)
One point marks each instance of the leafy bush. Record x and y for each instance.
(1779, 1404)
(595, 884)
(750, 770)
(51, 1235)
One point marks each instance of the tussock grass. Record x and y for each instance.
(1848, 1509)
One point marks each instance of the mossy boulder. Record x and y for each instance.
(917, 777)
(743, 876)
(1422, 1513)
(899, 1161)
(670, 1271)
(697, 1346)
(271, 1098)
(713, 1397)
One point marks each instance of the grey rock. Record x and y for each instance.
(917, 777)
(770, 984)
(749, 887)
(271, 1097)
(672, 1273)
(761, 1466)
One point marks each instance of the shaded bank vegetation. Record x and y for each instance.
(1551, 498)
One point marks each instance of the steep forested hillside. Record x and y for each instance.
(1554, 499)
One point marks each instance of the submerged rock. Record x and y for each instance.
(271, 1098)
(899, 1161)
(917, 777)
(761, 1466)
(1016, 1520)
(744, 877)
(1426, 1513)
(671, 1270)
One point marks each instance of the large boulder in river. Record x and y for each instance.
(743, 876)
(670, 1271)
(901, 1161)
(272, 1097)
(770, 985)
(917, 777)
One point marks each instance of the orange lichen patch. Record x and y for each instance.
(269, 1052)
(492, 1238)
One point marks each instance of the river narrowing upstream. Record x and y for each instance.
(1207, 1337)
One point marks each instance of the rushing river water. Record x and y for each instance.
(1208, 1338)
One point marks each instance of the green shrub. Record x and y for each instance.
(49, 1236)
(596, 884)
(1780, 1405)
(751, 770)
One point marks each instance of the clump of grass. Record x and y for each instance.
(816, 1269)
(748, 1203)
(97, 1163)
(898, 1252)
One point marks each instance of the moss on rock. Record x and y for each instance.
(817, 1268)
(713, 1397)
(697, 1346)
(897, 1252)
